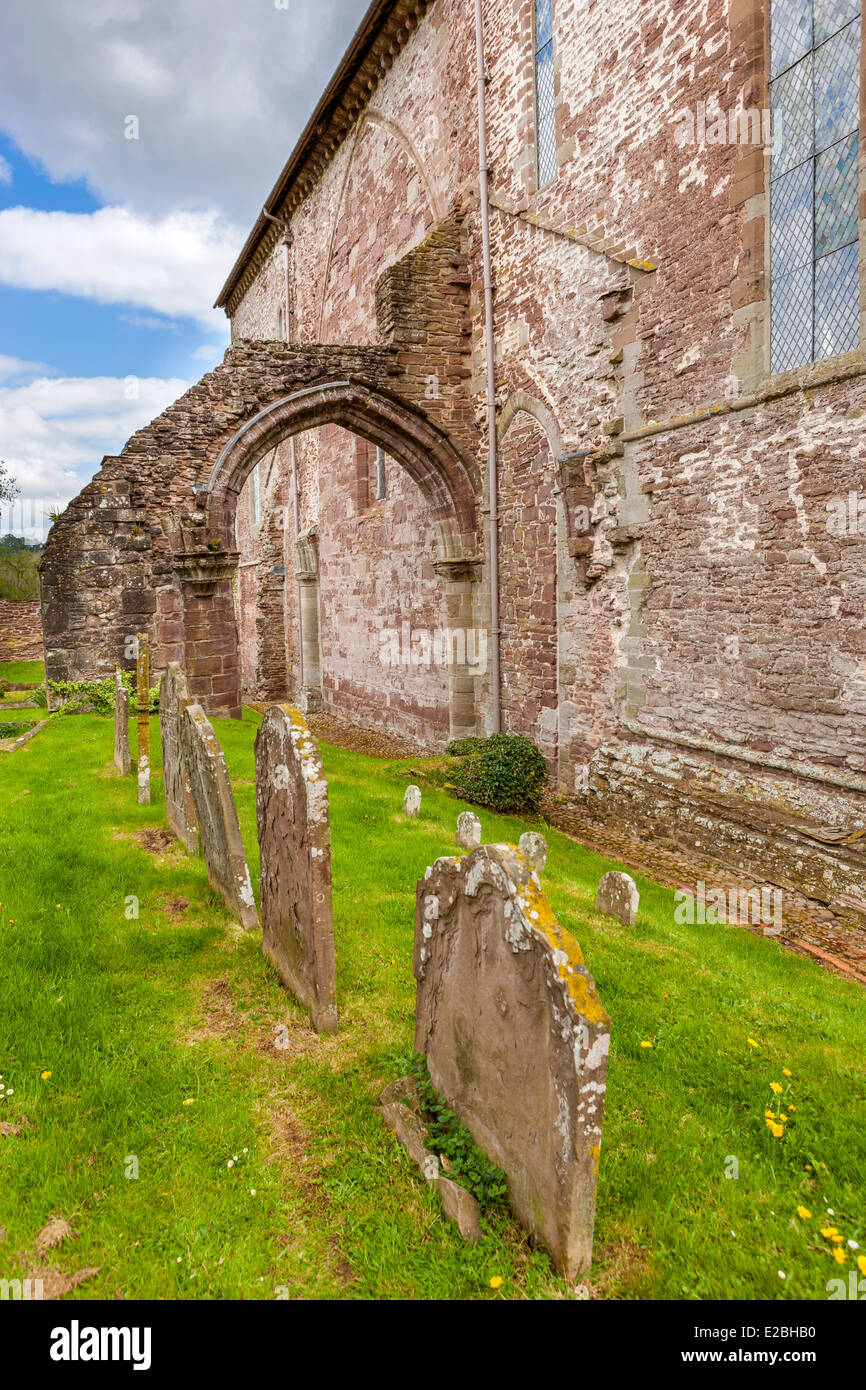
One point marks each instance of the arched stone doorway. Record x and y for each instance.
(206, 570)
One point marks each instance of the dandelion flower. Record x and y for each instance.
(837, 1239)
(804, 1214)
(751, 1042)
(45, 1075)
(191, 1101)
(839, 1255)
(808, 1167)
(861, 1263)
(646, 1044)
(770, 1114)
(777, 1131)
(792, 1107)
(784, 1119)
(785, 1071)
(496, 1282)
(774, 1086)
(828, 1232)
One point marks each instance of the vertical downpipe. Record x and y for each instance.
(492, 483)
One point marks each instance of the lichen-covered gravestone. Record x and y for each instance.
(468, 830)
(217, 815)
(179, 804)
(534, 846)
(295, 879)
(516, 1038)
(122, 758)
(412, 801)
(142, 717)
(618, 897)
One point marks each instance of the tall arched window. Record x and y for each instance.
(814, 180)
(545, 109)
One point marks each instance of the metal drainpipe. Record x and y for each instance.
(288, 240)
(492, 484)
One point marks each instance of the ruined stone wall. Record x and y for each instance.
(20, 630)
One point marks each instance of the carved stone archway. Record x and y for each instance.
(149, 544)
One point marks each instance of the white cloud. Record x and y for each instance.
(221, 91)
(55, 431)
(5, 170)
(173, 265)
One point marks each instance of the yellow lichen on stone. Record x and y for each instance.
(570, 957)
(595, 1155)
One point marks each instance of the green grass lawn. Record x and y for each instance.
(22, 671)
(159, 1032)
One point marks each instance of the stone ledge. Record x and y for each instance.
(405, 1120)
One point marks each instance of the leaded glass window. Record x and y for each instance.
(545, 110)
(814, 180)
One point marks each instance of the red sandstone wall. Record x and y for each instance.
(20, 630)
(710, 597)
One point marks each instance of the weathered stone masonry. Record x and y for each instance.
(681, 632)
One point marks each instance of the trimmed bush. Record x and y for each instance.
(506, 773)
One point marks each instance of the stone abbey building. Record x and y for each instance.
(665, 586)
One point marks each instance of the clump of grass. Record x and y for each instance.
(468, 1164)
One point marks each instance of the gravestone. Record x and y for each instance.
(217, 816)
(412, 801)
(122, 759)
(468, 830)
(179, 805)
(516, 1039)
(534, 846)
(142, 716)
(618, 897)
(295, 878)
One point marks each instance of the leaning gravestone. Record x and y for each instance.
(412, 801)
(179, 805)
(217, 815)
(534, 846)
(618, 897)
(122, 759)
(468, 830)
(516, 1038)
(295, 880)
(142, 716)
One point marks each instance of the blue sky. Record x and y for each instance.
(112, 249)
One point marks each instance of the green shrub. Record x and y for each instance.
(507, 773)
(97, 696)
(14, 728)
(447, 1137)
(464, 747)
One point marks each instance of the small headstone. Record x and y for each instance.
(618, 897)
(122, 759)
(412, 801)
(516, 1039)
(468, 830)
(142, 717)
(534, 846)
(295, 878)
(217, 815)
(179, 805)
